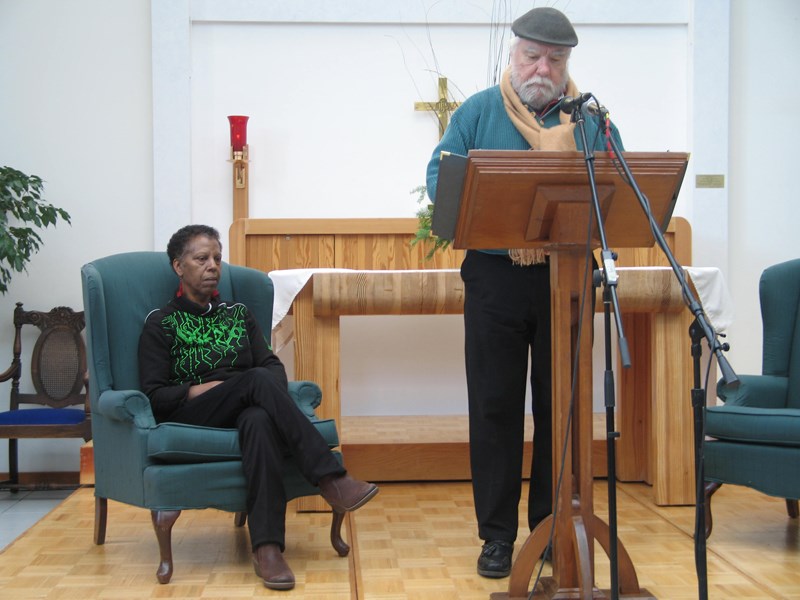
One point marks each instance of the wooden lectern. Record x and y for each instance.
(513, 199)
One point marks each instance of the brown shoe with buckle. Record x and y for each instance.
(272, 568)
(346, 494)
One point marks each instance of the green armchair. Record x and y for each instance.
(757, 430)
(168, 467)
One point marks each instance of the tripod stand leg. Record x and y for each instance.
(530, 553)
(583, 558)
(628, 581)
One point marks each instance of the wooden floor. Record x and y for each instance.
(413, 541)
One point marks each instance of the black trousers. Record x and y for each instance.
(271, 427)
(507, 320)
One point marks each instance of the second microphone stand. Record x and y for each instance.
(700, 329)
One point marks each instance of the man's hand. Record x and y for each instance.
(196, 390)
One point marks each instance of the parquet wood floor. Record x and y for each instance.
(415, 541)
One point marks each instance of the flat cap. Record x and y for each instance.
(546, 25)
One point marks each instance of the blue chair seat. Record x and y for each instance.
(43, 416)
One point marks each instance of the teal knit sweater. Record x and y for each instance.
(481, 123)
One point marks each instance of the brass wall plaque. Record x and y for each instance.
(710, 181)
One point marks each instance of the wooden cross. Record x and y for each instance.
(442, 107)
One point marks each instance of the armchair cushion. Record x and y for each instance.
(178, 443)
(771, 426)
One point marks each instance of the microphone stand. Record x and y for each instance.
(608, 278)
(700, 328)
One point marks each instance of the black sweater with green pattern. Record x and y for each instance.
(184, 344)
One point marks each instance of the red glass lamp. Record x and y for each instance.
(238, 132)
(239, 156)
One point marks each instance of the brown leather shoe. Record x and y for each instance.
(345, 494)
(270, 566)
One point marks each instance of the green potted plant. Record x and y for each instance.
(424, 218)
(22, 211)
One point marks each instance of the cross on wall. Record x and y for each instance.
(442, 107)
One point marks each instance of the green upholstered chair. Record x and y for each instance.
(168, 467)
(757, 430)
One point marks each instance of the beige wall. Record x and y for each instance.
(75, 109)
(764, 200)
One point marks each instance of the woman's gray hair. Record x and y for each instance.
(181, 238)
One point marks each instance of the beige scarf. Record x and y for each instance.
(558, 138)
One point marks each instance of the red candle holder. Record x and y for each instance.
(239, 157)
(238, 125)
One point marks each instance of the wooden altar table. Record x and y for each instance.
(654, 414)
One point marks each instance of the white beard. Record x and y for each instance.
(537, 92)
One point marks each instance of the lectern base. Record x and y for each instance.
(548, 590)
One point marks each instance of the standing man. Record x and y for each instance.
(507, 291)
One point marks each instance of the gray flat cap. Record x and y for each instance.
(546, 25)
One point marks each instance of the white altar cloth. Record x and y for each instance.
(714, 297)
(708, 281)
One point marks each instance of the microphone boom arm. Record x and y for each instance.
(728, 375)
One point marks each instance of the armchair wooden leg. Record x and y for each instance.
(792, 508)
(100, 520)
(711, 487)
(163, 520)
(338, 543)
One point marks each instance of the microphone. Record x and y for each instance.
(594, 109)
(569, 104)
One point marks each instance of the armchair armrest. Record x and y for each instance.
(12, 371)
(307, 395)
(130, 406)
(758, 391)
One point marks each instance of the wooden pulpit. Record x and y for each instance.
(513, 199)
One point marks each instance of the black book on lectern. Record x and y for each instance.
(449, 185)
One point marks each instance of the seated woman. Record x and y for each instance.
(205, 362)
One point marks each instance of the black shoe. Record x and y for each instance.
(495, 559)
